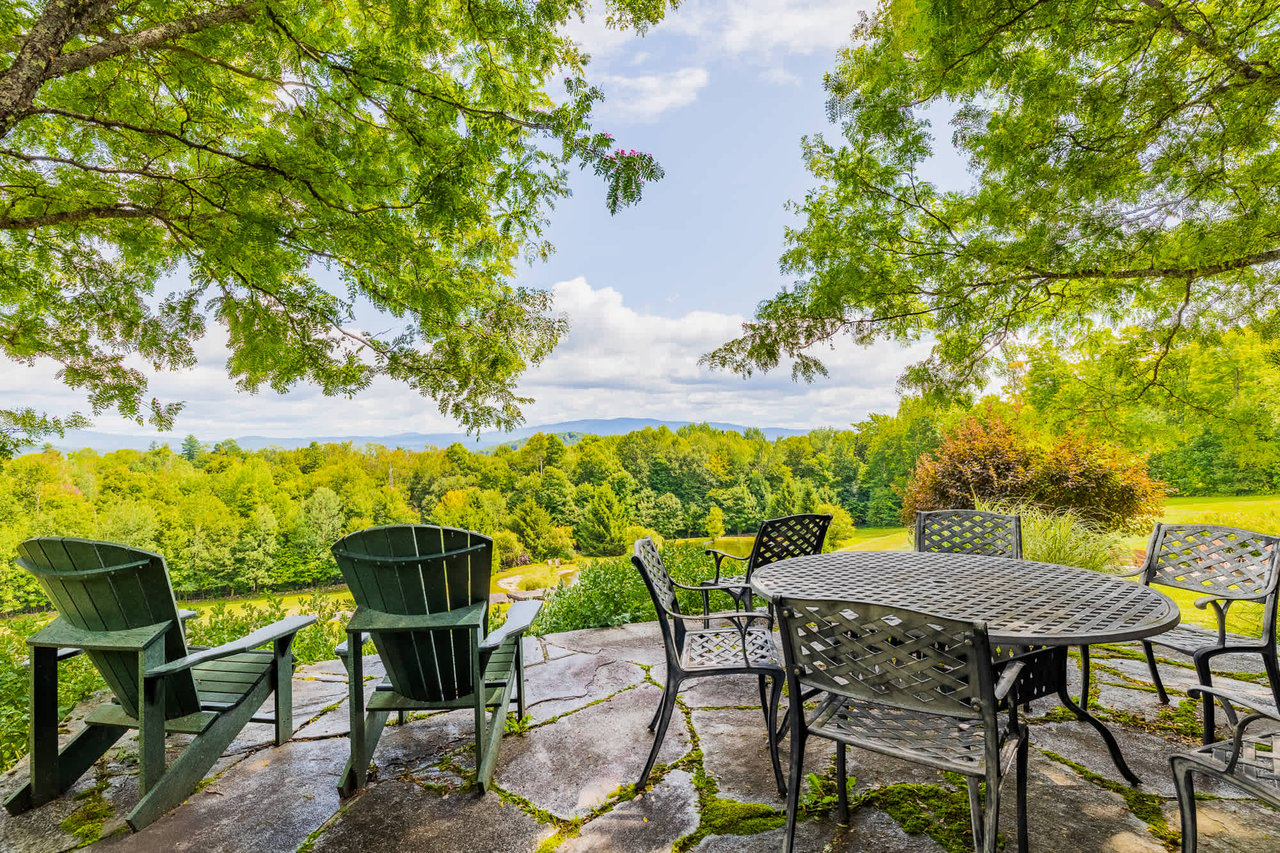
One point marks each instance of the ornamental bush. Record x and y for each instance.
(990, 460)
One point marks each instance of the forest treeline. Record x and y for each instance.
(232, 521)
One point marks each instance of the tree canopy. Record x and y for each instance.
(167, 164)
(1123, 165)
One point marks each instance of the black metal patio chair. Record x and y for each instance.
(1248, 759)
(1227, 565)
(907, 684)
(969, 531)
(731, 643)
(778, 539)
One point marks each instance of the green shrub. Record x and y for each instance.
(610, 592)
(989, 460)
(1061, 537)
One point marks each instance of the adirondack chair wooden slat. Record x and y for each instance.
(116, 604)
(422, 596)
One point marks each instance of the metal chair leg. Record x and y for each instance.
(1155, 673)
(771, 720)
(796, 772)
(664, 719)
(842, 784)
(1186, 801)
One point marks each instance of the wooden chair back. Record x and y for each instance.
(414, 569)
(102, 586)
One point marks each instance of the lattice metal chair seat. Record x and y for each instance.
(778, 539)
(947, 743)
(1226, 565)
(969, 531)
(908, 684)
(716, 648)
(1250, 759)
(714, 644)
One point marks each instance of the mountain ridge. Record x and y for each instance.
(106, 442)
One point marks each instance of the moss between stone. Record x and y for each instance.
(86, 821)
(1146, 807)
(937, 811)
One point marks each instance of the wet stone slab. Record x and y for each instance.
(270, 801)
(639, 642)
(1231, 826)
(575, 764)
(573, 681)
(1068, 814)
(648, 824)
(395, 816)
(735, 753)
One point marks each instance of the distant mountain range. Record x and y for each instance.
(570, 431)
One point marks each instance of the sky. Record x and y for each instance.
(721, 93)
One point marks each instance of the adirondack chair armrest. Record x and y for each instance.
(61, 634)
(368, 619)
(341, 649)
(519, 619)
(286, 627)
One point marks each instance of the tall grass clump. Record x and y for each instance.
(1062, 537)
(611, 592)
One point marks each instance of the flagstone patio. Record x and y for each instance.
(562, 782)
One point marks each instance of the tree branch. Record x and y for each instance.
(78, 60)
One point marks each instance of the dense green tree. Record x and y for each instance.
(714, 523)
(412, 148)
(1123, 158)
(600, 532)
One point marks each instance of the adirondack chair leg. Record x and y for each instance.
(477, 679)
(194, 763)
(488, 759)
(43, 738)
(283, 688)
(78, 756)
(150, 718)
(520, 678)
(357, 770)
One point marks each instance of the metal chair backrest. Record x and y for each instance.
(888, 655)
(789, 536)
(644, 557)
(103, 586)
(414, 569)
(1213, 560)
(969, 531)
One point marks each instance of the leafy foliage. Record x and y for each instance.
(990, 460)
(1121, 157)
(612, 592)
(411, 149)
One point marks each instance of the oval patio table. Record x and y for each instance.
(1022, 603)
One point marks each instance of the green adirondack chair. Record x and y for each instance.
(116, 605)
(422, 595)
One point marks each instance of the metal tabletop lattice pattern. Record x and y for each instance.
(1020, 601)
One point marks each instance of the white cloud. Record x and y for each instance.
(616, 361)
(761, 28)
(644, 98)
(756, 29)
